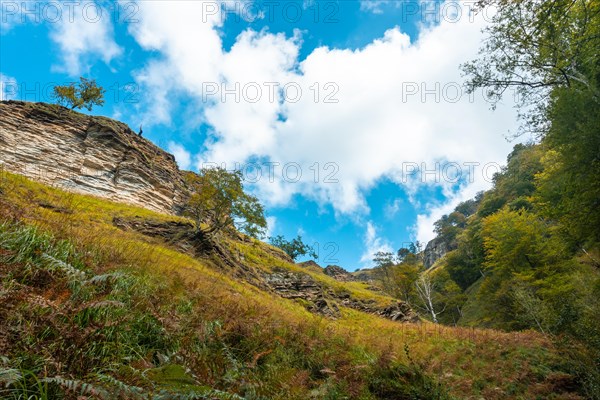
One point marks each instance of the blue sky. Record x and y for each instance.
(353, 110)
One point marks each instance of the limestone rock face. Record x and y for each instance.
(87, 154)
(434, 250)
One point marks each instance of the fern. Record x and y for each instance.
(56, 264)
(9, 376)
(105, 278)
(197, 394)
(123, 389)
(79, 387)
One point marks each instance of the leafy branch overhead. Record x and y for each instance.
(218, 200)
(533, 47)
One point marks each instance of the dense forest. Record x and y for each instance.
(525, 254)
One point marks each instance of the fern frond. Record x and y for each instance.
(79, 387)
(8, 376)
(69, 270)
(105, 278)
(123, 389)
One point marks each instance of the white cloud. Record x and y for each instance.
(182, 156)
(423, 228)
(8, 87)
(374, 129)
(398, 102)
(373, 244)
(186, 36)
(84, 33)
(271, 224)
(392, 208)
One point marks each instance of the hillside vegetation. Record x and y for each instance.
(526, 254)
(95, 311)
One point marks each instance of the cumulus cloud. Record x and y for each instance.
(271, 224)
(182, 156)
(84, 33)
(185, 34)
(349, 117)
(398, 103)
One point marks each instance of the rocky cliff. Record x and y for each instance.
(87, 154)
(434, 250)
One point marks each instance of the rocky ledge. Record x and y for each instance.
(87, 154)
(316, 296)
(338, 273)
(324, 300)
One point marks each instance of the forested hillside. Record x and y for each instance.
(526, 254)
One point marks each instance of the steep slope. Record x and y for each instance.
(103, 157)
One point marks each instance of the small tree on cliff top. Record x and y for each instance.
(218, 199)
(294, 248)
(84, 94)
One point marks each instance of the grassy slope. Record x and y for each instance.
(268, 347)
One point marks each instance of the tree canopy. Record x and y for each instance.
(294, 248)
(85, 94)
(218, 200)
(533, 47)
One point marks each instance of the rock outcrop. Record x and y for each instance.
(87, 154)
(338, 273)
(310, 264)
(292, 285)
(363, 275)
(399, 311)
(434, 250)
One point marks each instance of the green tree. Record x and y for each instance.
(218, 200)
(384, 261)
(84, 94)
(534, 47)
(527, 263)
(294, 248)
(449, 297)
(403, 277)
(465, 264)
(548, 51)
(568, 188)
